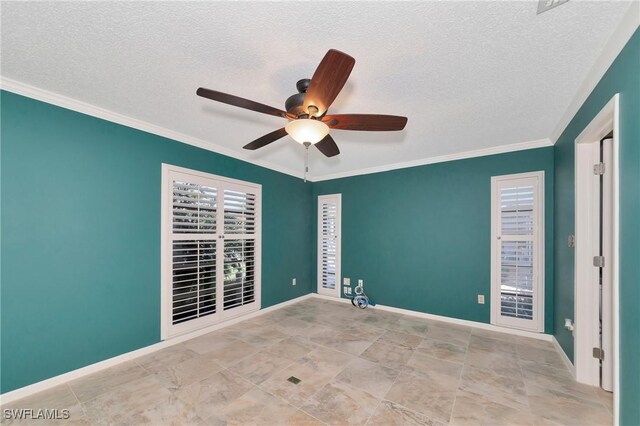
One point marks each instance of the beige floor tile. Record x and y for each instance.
(91, 386)
(393, 337)
(490, 334)
(528, 342)
(368, 376)
(558, 382)
(326, 360)
(447, 333)
(391, 414)
(260, 366)
(365, 331)
(470, 409)
(258, 407)
(492, 345)
(377, 318)
(448, 373)
(292, 326)
(210, 395)
(442, 350)
(164, 358)
(210, 342)
(503, 363)
(567, 409)
(170, 411)
(311, 377)
(535, 368)
(119, 403)
(339, 403)
(541, 356)
(426, 393)
(354, 365)
(492, 386)
(40, 418)
(189, 371)
(351, 343)
(292, 348)
(58, 398)
(233, 352)
(261, 336)
(453, 326)
(411, 325)
(392, 356)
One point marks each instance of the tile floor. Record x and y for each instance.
(355, 366)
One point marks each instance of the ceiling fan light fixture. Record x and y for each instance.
(307, 130)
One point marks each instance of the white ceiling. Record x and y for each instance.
(469, 75)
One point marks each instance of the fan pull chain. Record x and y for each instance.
(306, 160)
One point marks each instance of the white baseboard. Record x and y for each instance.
(490, 327)
(331, 298)
(565, 358)
(28, 390)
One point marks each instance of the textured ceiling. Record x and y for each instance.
(469, 75)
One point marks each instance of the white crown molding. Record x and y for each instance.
(630, 22)
(29, 91)
(520, 146)
(52, 382)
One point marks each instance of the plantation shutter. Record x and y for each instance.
(518, 237)
(329, 208)
(193, 250)
(211, 254)
(239, 248)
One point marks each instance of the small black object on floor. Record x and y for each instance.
(294, 380)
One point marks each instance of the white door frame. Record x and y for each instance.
(335, 292)
(586, 293)
(167, 330)
(538, 237)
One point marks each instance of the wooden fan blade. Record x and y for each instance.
(328, 146)
(240, 102)
(328, 80)
(366, 122)
(266, 139)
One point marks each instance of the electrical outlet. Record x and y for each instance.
(347, 290)
(293, 282)
(346, 281)
(360, 282)
(481, 299)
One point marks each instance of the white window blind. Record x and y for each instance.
(239, 250)
(194, 279)
(517, 251)
(211, 249)
(329, 217)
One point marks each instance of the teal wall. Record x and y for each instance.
(80, 246)
(622, 77)
(420, 237)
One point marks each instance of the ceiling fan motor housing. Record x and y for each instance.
(294, 103)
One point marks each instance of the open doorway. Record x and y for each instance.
(596, 257)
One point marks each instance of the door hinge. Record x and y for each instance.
(598, 261)
(598, 169)
(598, 353)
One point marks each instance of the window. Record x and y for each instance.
(210, 249)
(517, 251)
(329, 228)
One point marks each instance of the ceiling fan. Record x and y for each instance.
(307, 110)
